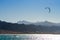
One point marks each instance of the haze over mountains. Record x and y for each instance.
(28, 27)
(45, 23)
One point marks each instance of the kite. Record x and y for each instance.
(48, 8)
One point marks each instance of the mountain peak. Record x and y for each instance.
(46, 21)
(23, 22)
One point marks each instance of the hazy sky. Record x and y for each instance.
(30, 10)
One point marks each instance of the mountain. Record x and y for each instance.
(23, 22)
(6, 27)
(45, 23)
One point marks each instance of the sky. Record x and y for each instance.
(29, 10)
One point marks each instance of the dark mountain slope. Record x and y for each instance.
(22, 28)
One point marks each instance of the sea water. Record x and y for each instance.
(29, 37)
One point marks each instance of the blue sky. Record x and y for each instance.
(30, 10)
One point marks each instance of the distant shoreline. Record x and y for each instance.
(14, 32)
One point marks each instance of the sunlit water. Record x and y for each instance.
(29, 37)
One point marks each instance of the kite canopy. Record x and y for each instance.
(49, 10)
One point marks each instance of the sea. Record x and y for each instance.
(29, 36)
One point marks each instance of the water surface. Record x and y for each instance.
(29, 37)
